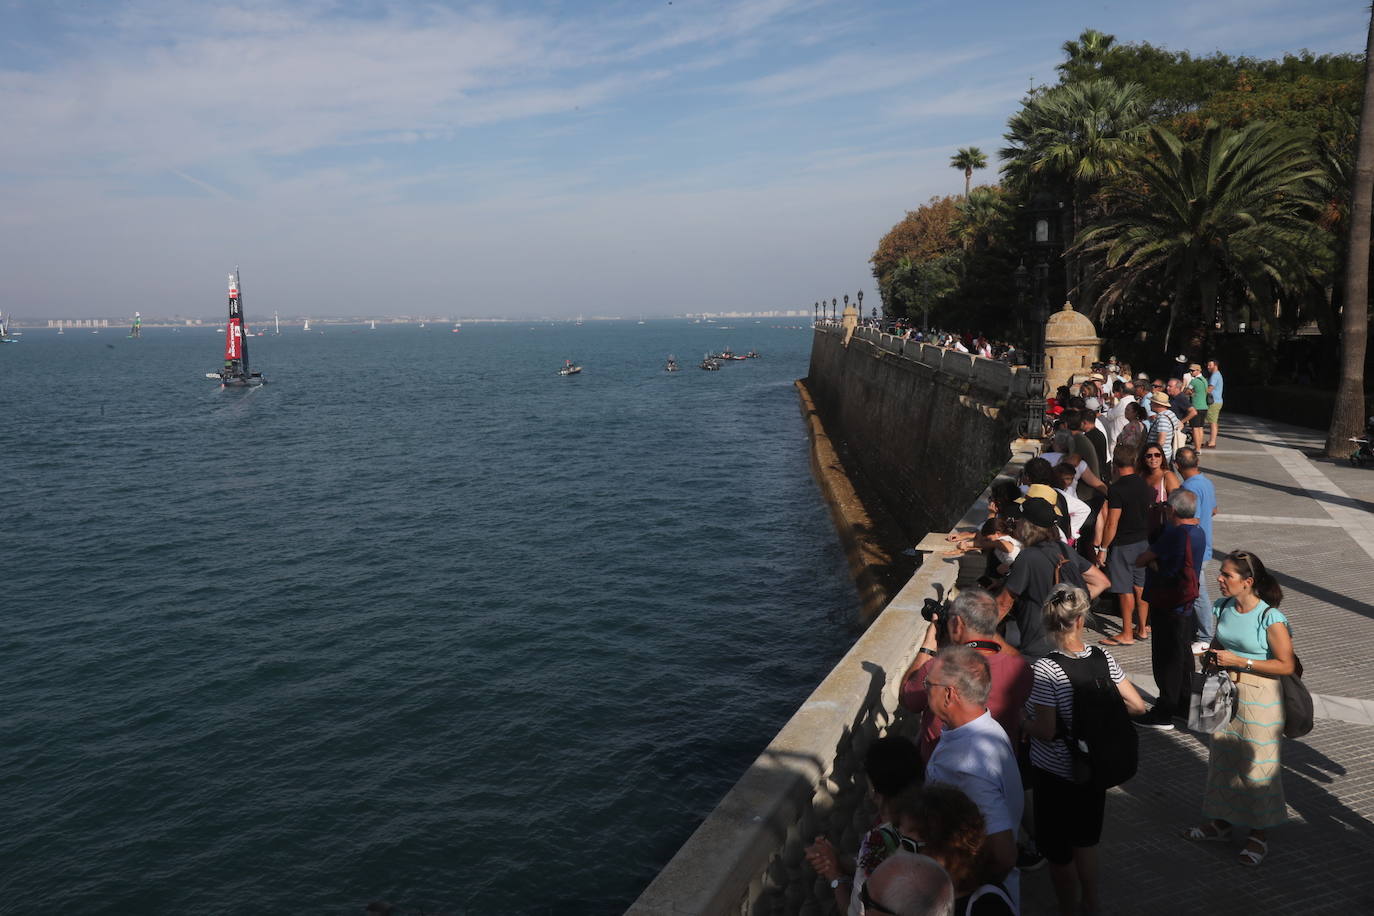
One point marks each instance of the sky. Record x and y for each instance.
(518, 158)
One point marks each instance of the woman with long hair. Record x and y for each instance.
(1155, 470)
(1068, 814)
(1253, 643)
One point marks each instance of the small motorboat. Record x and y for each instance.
(569, 368)
(672, 365)
(709, 363)
(752, 354)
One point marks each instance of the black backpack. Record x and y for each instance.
(1103, 744)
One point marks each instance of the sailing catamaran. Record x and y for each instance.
(236, 371)
(136, 332)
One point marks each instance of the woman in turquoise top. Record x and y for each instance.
(1244, 784)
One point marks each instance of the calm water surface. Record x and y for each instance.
(418, 621)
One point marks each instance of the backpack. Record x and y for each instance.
(1102, 744)
(1065, 571)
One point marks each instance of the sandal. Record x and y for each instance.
(1252, 857)
(1207, 833)
(1115, 641)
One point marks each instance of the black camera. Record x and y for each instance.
(931, 609)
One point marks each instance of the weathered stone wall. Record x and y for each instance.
(926, 427)
(747, 856)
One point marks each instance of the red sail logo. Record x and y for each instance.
(231, 340)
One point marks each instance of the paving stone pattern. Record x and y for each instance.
(1312, 522)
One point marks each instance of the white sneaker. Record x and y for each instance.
(1201, 647)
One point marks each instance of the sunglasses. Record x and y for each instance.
(1149, 455)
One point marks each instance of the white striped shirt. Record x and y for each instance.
(1163, 421)
(1052, 687)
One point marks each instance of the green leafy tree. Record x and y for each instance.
(1227, 219)
(966, 160)
(924, 234)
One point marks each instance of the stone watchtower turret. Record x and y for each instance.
(1071, 347)
(849, 321)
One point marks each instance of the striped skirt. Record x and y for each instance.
(1244, 774)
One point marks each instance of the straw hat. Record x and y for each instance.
(1159, 399)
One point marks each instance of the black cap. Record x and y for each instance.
(1038, 512)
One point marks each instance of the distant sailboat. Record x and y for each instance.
(374, 326)
(457, 327)
(136, 332)
(276, 320)
(5, 335)
(307, 325)
(578, 322)
(60, 330)
(235, 372)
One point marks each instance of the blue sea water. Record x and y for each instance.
(418, 621)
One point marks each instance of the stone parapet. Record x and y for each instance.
(747, 857)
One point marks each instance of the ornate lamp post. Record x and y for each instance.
(1044, 240)
(815, 313)
(835, 308)
(1021, 277)
(860, 297)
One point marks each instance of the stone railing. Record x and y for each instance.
(747, 856)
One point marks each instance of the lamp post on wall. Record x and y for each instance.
(1021, 277)
(815, 313)
(1046, 228)
(860, 297)
(835, 308)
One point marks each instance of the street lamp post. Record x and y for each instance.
(1021, 277)
(861, 304)
(835, 308)
(1046, 227)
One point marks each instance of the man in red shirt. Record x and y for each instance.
(973, 623)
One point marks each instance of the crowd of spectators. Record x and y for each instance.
(1021, 708)
(976, 343)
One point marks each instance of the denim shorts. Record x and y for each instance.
(1121, 568)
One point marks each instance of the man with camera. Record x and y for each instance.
(969, 620)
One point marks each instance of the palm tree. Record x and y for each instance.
(1347, 419)
(966, 160)
(1087, 52)
(983, 217)
(1235, 211)
(1072, 139)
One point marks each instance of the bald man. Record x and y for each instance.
(906, 884)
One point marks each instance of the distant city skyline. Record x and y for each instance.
(526, 158)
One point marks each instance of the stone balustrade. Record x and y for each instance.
(747, 857)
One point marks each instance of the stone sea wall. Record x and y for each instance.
(916, 417)
(926, 427)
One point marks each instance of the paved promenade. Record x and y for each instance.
(1312, 522)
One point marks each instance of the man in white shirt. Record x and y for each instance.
(975, 755)
(1114, 420)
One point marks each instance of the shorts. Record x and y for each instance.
(1198, 421)
(1068, 816)
(1213, 411)
(1121, 568)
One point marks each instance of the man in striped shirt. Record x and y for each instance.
(1162, 425)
